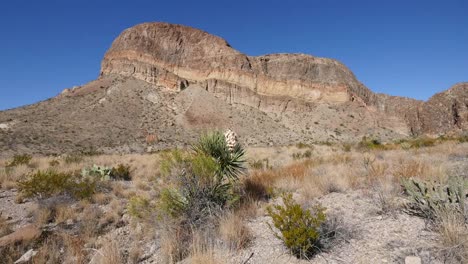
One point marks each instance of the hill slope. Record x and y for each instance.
(161, 84)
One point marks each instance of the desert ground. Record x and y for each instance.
(120, 212)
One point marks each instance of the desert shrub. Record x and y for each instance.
(260, 164)
(347, 147)
(302, 145)
(121, 172)
(54, 163)
(463, 138)
(48, 183)
(370, 144)
(299, 229)
(428, 198)
(256, 188)
(73, 158)
(417, 142)
(22, 159)
(302, 155)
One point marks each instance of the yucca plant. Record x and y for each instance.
(227, 152)
(202, 180)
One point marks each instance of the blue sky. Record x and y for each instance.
(407, 48)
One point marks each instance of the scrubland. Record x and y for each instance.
(321, 203)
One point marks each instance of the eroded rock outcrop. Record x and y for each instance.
(176, 56)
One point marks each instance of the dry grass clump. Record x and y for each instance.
(109, 253)
(234, 232)
(175, 242)
(453, 231)
(386, 195)
(202, 251)
(5, 227)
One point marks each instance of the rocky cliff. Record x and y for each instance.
(175, 56)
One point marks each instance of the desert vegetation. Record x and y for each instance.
(217, 201)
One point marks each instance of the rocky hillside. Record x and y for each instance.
(161, 84)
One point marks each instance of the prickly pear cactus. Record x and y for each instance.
(97, 171)
(428, 198)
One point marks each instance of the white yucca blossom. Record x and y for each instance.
(231, 139)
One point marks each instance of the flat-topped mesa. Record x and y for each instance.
(174, 56)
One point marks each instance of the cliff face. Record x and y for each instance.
(446, 112)
(176, 56)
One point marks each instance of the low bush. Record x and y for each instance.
(17, 160)
(370, 144)
(302, 155)
(417, 142)
(299, 229)
(262, 164)
(48, 183)
(121, 172)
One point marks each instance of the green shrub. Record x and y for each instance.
(370, 144)
(139, 207)
(17, 160)
(428, 198)
(299, 229)
(463, 138)
(121, 172)
(48, 183)
(417, 142)
(302, 145)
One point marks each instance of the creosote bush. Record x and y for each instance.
(48, 183)
(299, 229)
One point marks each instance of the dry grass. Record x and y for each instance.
(101, 198)
(234, 232)
(5, 227)
(453, 231)
(109, 253)
(64, 213)
(174, 246)
(328, 170)
(202, 251)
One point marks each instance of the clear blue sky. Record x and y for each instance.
(407, 48)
